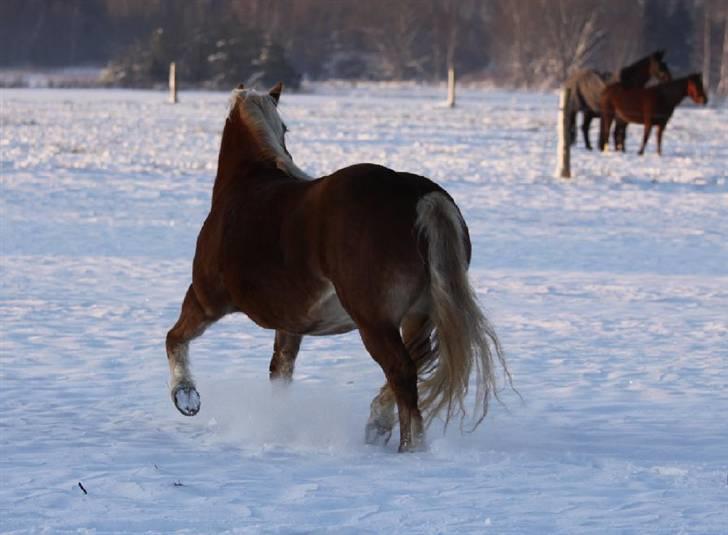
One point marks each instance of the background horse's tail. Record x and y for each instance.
(463, 340)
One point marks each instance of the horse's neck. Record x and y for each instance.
(238, 151)
(673, 92)
(636, 75)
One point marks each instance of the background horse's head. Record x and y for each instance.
(658, 68)
(695, 89)
(639, 73)
(258, 113)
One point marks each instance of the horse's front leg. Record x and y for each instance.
(660, 130)
(285, 351)
(645, 137)
(192, 323)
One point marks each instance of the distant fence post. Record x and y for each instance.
(563, 165)
(172, 83)
(451, 86)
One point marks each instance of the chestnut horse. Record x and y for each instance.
(364, 248)
(648, 106)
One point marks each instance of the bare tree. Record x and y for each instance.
(574, 32)
(722, 88)
(396, 33)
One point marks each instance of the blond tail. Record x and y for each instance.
(463, 340)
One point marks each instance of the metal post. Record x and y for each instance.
(563, 156)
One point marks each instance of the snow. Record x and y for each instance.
(609, 292)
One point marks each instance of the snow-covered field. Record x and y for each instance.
(610, 293)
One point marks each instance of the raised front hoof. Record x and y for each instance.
(377, 435)
(186, 399)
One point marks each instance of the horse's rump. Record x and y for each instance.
(586, 87)
(366, 215)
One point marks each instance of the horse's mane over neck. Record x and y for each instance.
(674, 91)
(253, 135)
(636, 74)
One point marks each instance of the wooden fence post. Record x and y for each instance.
(451, 86)
(172, 83)
(563, 156)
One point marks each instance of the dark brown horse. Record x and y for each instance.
(648, 106)
(587, 85)
(365, 248)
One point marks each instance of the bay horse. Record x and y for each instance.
(364, 248)
(648, 106)
(587, 85)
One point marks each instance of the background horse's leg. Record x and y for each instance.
(660, 130)
(618, 136)
(645, 137)
(572, 126)
(386, 347)
(585, 124)
(604, 126)
(623, 136)
(285, 351)
(192, 323)
(416, 330)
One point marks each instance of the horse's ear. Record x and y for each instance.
(660, 53)
(241, 86)
(275, 92)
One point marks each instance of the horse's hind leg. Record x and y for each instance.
(416, 331)
(622, 136)
(572, 127)
(585, 124)
(192, 323)
(381, 417)
(285, 350)
(620, 128)
(604, 126)
(385, 345)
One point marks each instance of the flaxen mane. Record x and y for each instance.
(258, 112)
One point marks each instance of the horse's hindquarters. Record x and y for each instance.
(368, 243)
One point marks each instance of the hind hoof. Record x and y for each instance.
(376, 435)
(186, 399)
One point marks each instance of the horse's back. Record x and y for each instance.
(632, 104)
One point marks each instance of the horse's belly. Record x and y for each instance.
(327, 315)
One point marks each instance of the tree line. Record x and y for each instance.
(216, 43)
